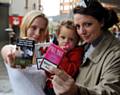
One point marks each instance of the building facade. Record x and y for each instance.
(67, 5)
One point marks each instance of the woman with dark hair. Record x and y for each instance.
(100, 70)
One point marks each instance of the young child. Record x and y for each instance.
(67, 40)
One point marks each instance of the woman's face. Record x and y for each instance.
(88, 27)
(37, 30)
(66, 38)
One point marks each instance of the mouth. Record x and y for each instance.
(86, 36)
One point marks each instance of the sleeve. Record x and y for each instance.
(71, 62)
(109, 82)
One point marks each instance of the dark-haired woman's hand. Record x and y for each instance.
(63, 84)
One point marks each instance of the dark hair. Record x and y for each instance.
(96, 10)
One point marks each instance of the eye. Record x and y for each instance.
(77, 26)
(33, 27)
(71, 39)
(42, 30)
(62, 37)
(87, 24)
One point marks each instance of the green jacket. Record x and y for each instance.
(101, 74)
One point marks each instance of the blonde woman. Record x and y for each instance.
(28, 81)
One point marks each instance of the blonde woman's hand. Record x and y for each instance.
(8, 54)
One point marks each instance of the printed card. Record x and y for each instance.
(52, 58)
(40, 50)
(24, 52)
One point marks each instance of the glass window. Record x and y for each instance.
(66, 7)
(66, 0)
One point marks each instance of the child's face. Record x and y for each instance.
(37, 30)
(66, 38)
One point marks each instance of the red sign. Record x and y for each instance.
(15, 20)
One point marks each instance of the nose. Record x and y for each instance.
(66, 40)
(37, 32)
(81, 30)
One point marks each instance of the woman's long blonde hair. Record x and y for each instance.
(28, 19)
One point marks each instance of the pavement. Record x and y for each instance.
(5, 87)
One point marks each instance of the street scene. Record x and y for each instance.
(86, 53)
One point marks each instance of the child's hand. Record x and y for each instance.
(67, 47)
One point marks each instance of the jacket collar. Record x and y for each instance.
(101, 48)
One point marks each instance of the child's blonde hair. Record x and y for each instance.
(70, 25)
